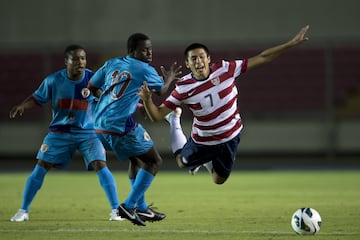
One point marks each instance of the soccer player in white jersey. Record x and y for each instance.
(71, 129)
(210, 93)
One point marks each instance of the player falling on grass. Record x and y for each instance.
(121, 79)
(71, 129)
(211, 94)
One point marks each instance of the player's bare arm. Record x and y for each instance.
(270, 54)
(154, 112)
(169, 76)
(19, 109)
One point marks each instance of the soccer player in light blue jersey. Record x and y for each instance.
(120, 79)
(71, 129)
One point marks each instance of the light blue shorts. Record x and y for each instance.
(59, 148)
(134, 143)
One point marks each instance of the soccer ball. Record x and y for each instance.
(306, 221)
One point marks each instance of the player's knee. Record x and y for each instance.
(45, 164)
(153, 166)
(218, 179)
(98, 165)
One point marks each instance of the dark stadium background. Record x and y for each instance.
(301, 111)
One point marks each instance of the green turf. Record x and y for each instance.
(251, 205)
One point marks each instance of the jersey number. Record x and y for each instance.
(210, 98)
(122, 78)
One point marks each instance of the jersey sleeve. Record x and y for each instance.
(241, 67)
(154, 80)
(43, 94)
(98, 79)
(173, 100)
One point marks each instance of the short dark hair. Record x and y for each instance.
(71, 48)
(134, 40)
(195, 46)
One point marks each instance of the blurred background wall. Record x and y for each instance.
(301, 110)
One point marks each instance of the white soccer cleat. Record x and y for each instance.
(114, 216)
(176, 113)
(194, 170)
(207, 165)
(20, 216)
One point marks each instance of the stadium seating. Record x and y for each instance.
(296, 83)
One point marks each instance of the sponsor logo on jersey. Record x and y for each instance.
(147, 136)
(191, 92)
(215, 81)
(44, 147)
(85, 92)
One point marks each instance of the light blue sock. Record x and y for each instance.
(141, 203)
(142, 183)
(107, 182)
(33, 184)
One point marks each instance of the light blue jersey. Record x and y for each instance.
(121, 79)
(72, 126)
(72, 103)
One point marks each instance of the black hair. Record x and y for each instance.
(71, 48)
(195, 46)
(134, 40)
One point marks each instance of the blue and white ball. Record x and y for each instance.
(306, 221)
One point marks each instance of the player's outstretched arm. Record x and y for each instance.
(270, 54)
(169, 76)
(154, 112)
(19, 109)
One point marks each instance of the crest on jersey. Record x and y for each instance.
(44, 147)
(215, 81)
(147, 136)
(85, 92)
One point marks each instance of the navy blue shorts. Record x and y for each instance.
(222, 155)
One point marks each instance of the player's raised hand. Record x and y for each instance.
(300, 36)
(16, 110)
(144, 92)
(172, 74)
(19, 109)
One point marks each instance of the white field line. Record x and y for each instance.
(126, 230)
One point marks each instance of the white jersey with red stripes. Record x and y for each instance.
(213, 102)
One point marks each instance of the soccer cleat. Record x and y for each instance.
(131, 215)
(207, 165)
(150, 215)
(114, 215)
(176, 113)
(20, 216)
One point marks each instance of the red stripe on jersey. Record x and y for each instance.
(187, 81)
(244, 65)
(226, 91)
(217, 112)
(195, 106)
(211, 82)
(230, 73)
(216, 66)
(219, 124)
(169, 104)
(218, 137)
(73, 104)
(177, 95)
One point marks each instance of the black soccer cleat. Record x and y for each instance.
(150, 215)
(131, 215)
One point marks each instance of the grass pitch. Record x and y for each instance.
(251, 205)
